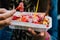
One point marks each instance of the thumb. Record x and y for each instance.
(7, 14)
(2, 10)
(41, 34)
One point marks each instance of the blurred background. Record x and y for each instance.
(59, 18)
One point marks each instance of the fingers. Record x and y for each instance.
(44, 35)
(41, 34)
(8, 21)
(2, 10)
(32, 31)
(7, 14)
(2, 22)
(47, 35)
(5, 22)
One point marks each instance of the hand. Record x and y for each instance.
(40, 36)
(5, 17)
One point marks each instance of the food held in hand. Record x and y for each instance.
(31, 19)
(20, 7)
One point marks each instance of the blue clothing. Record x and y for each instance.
(5, 34)
(53, 13)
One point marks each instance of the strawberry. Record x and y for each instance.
(35, 21)
(15, 18)
(20, 7)
(24, 19)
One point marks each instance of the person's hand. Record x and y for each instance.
(5, 17)
(40, 36)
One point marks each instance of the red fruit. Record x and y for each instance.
(36, 22)
(47, 25)
(30, 16)
(23, 16)
(39, 20)
(15, 18)
(20, 7)
(24, 19)
(38, 16)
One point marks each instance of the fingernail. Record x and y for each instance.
(42, 33)
(29, 29)
(14, 10)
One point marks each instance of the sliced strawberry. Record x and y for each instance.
(30, 16)
(20, 7)
(15, 18)
(36, 22)
(24, 19)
